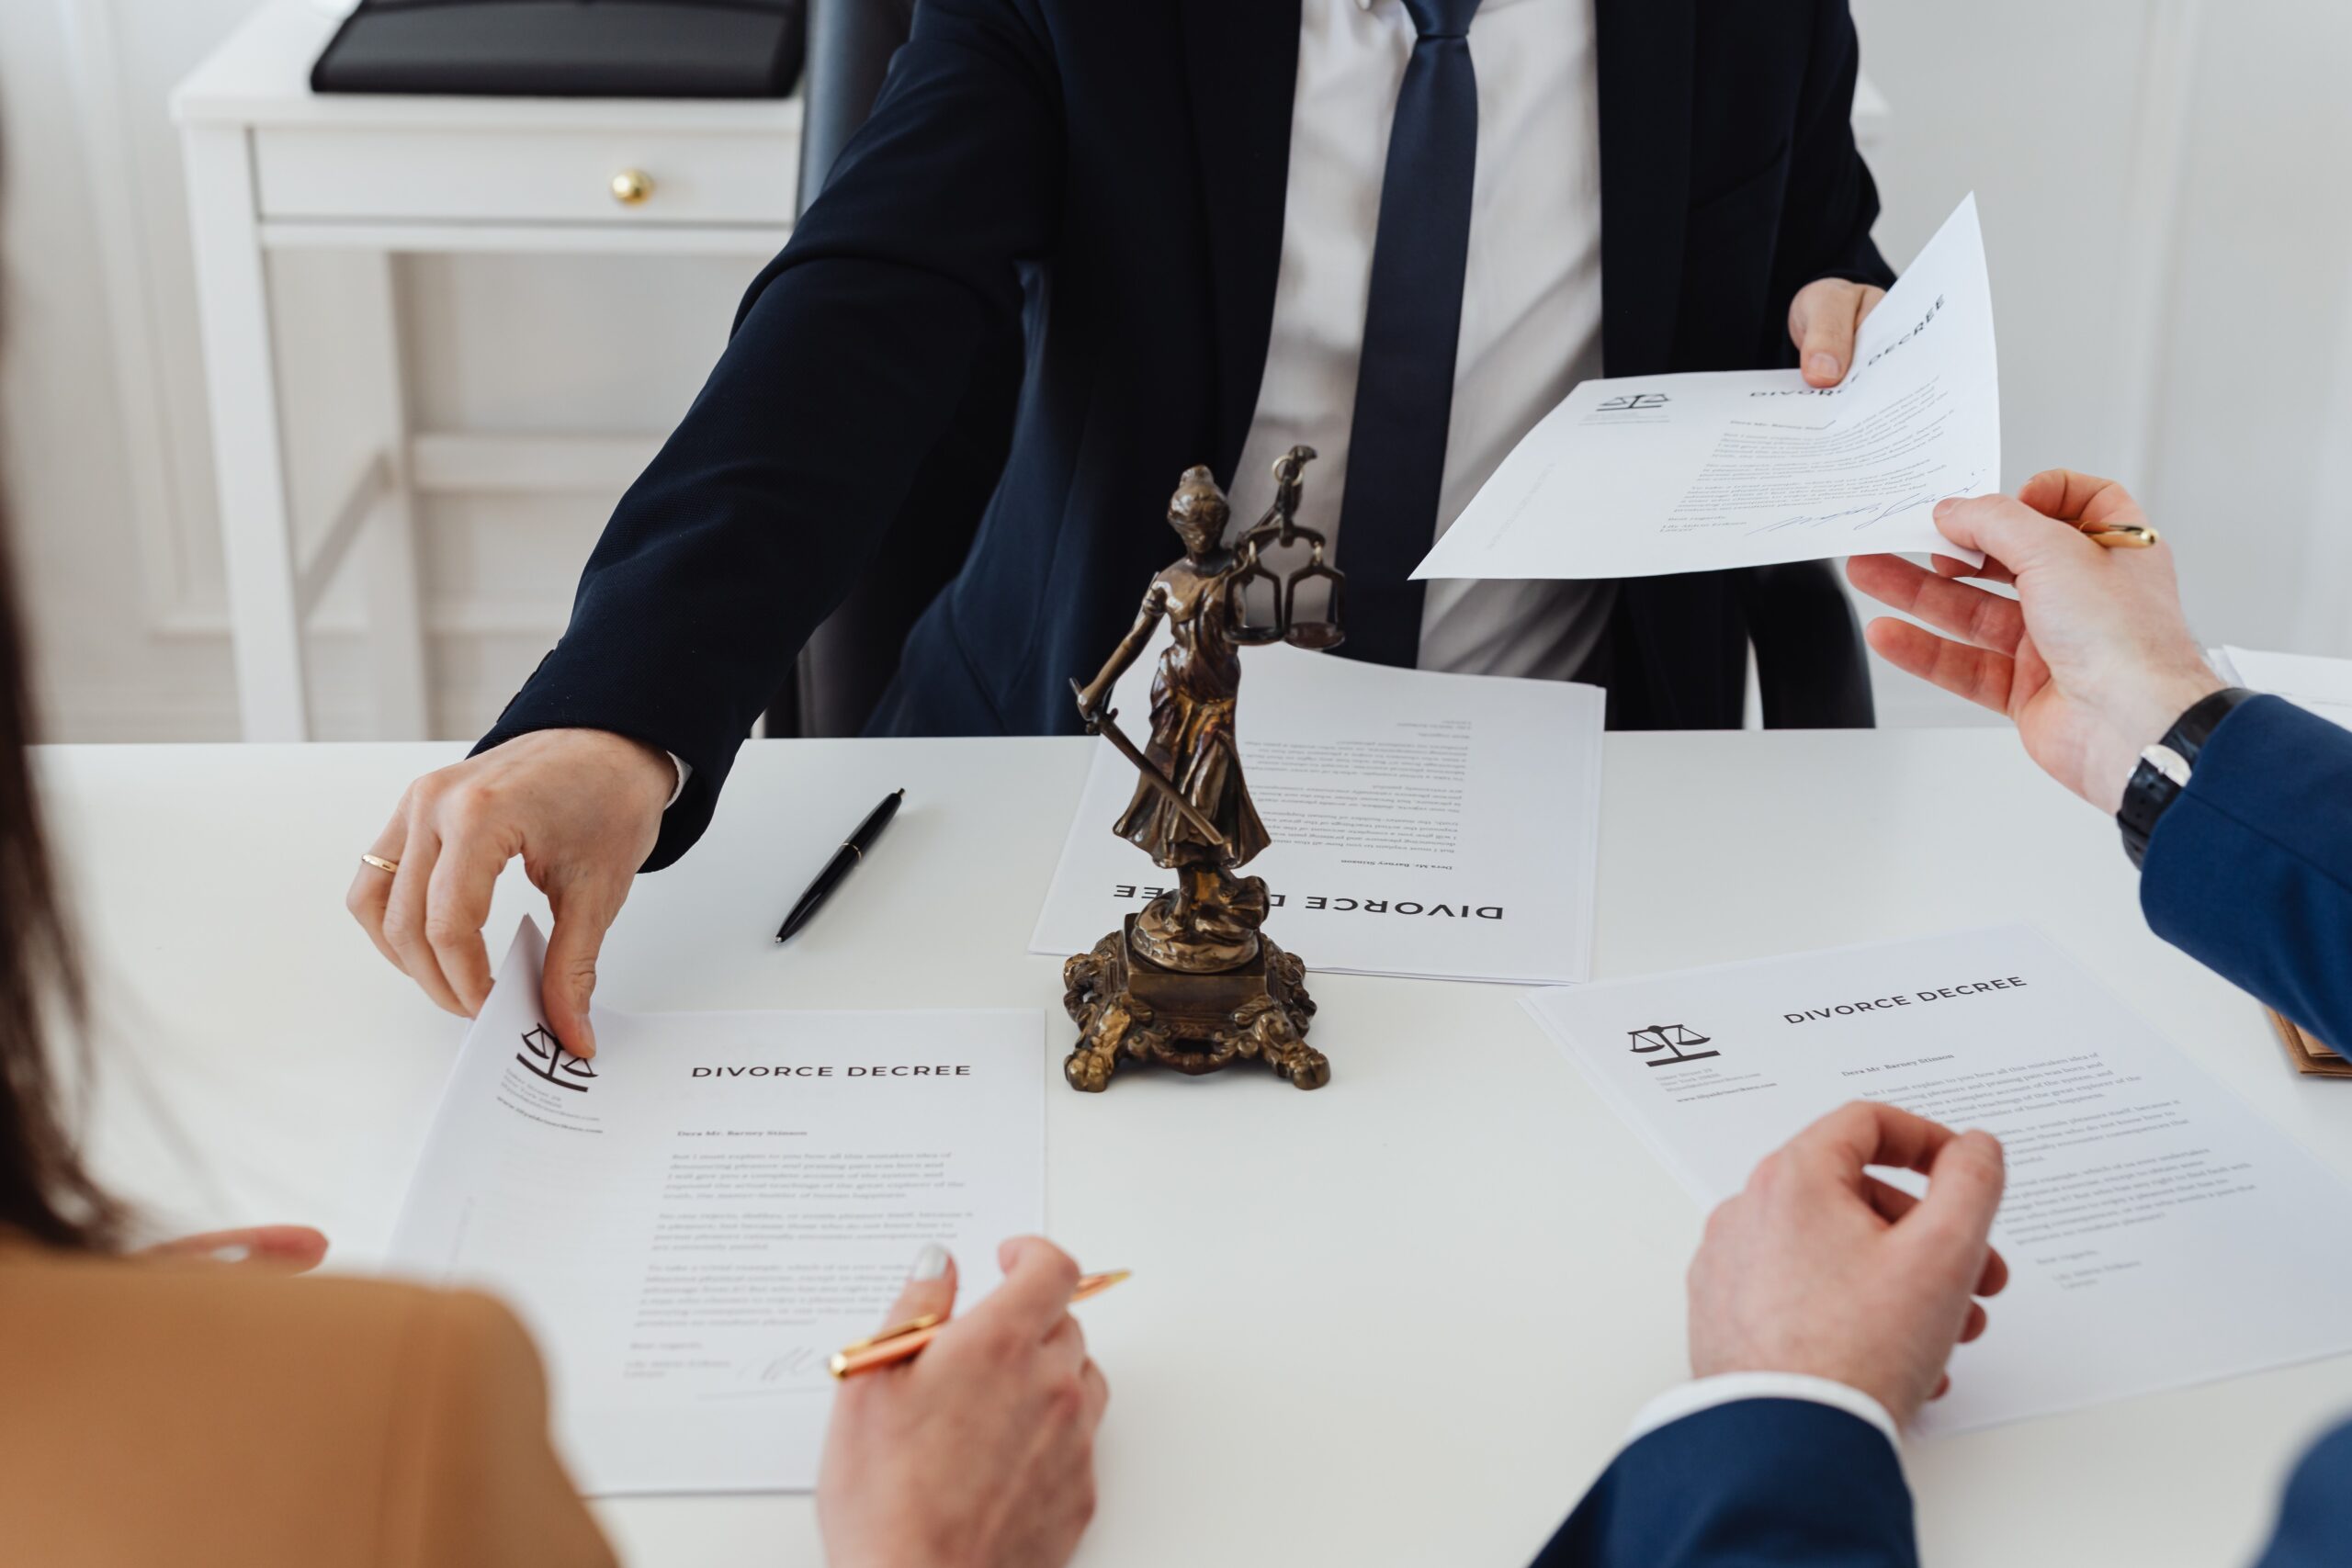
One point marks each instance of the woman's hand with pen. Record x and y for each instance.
(980, 1451)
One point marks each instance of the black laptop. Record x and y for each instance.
(621, 49)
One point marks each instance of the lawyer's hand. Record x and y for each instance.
(1823, 320)
(581, 807)
(2092, 660)
(287, 1249)
(980, 1452)
(1818, 1268)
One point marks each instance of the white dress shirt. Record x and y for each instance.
(1531, 299)
(1729, 1388)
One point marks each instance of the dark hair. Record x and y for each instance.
(45, 1192)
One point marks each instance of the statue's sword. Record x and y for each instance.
(1104, 724)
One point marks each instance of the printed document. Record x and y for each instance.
(2323, 685)
(1443, 826)
(691, 1223)
(1648, 474)
(2159, 1231)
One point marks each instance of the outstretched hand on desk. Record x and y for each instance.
(2093, 659)
(1821, 1269)
(581, 806)
(979, 1452)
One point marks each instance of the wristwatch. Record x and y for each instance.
(2163, 768)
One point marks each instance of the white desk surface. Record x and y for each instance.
(1293, 1370)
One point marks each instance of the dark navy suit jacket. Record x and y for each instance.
(2250, 870)
(1104, 180)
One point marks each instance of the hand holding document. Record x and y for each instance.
(2154, 1225)
(693, 1222)
(1445, 826)
(1645, 474)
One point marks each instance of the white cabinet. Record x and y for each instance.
(274, 166)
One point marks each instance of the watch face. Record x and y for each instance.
(2167, 761)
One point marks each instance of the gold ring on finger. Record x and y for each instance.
(380, 864)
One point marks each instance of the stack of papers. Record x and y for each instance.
(1446, 827)
(2323, 685)
(2159, 1231)
(693, 1222)
(1645, 474)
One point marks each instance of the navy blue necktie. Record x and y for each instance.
(1411, 323)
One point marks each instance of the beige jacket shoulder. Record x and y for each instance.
(209, 1416)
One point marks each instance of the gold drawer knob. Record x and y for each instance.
(632, 187)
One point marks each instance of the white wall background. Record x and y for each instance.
(2164, 193)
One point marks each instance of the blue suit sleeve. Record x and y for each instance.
(852, 352)
(2250, 870)
(2315, 1518)
(1757, 1483)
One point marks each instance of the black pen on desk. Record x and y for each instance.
(837, 869)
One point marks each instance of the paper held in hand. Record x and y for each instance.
(1645, 474)
(2323, 685)
(691, 1223)
(2158, 1231)
(1423, 824)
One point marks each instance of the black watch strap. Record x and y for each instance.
(2164, 767)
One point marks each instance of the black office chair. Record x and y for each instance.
(1811, 667)
(850, 661)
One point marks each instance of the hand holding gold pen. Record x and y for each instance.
(901, 1341)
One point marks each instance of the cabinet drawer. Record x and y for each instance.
(531, 176)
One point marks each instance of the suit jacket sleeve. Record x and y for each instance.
(849, 358)
(1832, 201)
(474, 1483)
(1758, 1483)
(2315, 1518)
(2250, 870)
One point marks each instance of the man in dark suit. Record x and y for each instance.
(1822, 1313)
(1202, 229)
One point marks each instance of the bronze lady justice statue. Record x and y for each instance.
(1190, 980)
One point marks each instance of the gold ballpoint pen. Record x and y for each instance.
(902, 1340)
(2119, 537)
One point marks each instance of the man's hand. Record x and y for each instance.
(979, 1452)
(1822, 1269)
(1823, 320)
(2092, 660)
(581, 807)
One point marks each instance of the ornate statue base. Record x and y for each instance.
(1124, 1004)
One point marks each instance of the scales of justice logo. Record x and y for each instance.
(547, 1057)
(1674, 1039)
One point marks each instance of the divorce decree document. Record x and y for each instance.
(1446, 827)
(2159, 1231)
(1643, 475)
(693, 1221)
